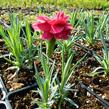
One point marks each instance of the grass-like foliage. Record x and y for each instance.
(47, 84)
(13, 41)
(90, 30)
(51, 88)
(102, 60)
(21, 50)
(93, 27)
(65, 87)
(98, 4)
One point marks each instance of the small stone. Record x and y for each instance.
(100, 80)
(1, 41)
(104, 76)
(106, 95)
(87, 101)
(88, 94)
(15, 86)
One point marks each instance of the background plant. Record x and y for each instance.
(21, 49)
(102, 60)
(104, 25)
(31, 50)
(13, 41)
(90, 30)
(76, 3)
(75, 18)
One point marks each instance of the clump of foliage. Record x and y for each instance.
(21, 50)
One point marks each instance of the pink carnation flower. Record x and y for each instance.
(57, 28)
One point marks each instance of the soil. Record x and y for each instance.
(24, 100)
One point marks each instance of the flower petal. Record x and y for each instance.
(60, 15)
(47, 36)
(42, 19)
(35, 27)
(57, 29)
(44, 26)
(64, 34)
(61, 36)
(68, 27)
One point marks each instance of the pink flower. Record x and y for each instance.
(57, 28)
(42, 24)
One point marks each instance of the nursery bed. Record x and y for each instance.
(99, 85)
(84, 99)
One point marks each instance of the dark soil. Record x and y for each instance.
(24, 100)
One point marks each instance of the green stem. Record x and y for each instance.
(60, 102)
(63, 49)
(50, 47)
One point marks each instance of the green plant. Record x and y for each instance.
(68, 45)
(51, 88)
(90, 30)
(13, 41)
(75, 3)
(47, 87)
(107, 31)
(105, 28)
(63, 86)
(101, 24)
(21, 50)
(30, 48)
(93, 28)
(102, 60)
(74, 18)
